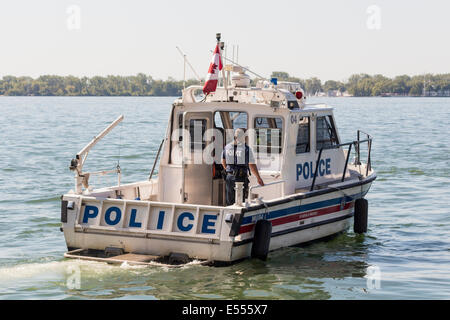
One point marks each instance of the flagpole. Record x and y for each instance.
(218, 36)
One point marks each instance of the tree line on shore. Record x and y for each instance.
(145, 85)
(364, 85)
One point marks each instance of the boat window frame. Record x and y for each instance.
(224, 132)
(310, 117)
(180, 125)
(192, 142)
(220, 110)
(333, 131)
(255, 146)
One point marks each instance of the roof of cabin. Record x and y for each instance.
(268, 96)
(315, 107)
(272, 96)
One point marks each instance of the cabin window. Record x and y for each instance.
(303, 136)
(227, 121)
(180, 126)
(230, 119)
(197, 129)
(325, 133)
(268, 134)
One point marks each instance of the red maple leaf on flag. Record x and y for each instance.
(212, 68)
(213, 76)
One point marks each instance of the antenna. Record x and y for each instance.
(190, 66)
(232, 57)
(247, 69)
(235, 57)
(221, 45)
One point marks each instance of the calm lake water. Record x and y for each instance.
(407, 246)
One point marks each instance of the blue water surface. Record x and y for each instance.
(404, 255)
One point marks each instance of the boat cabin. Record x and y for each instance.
(296, 146)
(284, 133)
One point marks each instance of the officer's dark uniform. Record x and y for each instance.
(237, 158)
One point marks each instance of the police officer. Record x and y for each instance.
(237, 159)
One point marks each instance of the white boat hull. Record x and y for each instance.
(219, 234)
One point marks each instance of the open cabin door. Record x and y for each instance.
(197, 179)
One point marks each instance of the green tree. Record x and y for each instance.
(145, 85)
(280, 75)
(313, 85)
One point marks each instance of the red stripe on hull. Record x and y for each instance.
(300, 216)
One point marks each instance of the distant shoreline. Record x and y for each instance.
(141, 85)
(176, 96)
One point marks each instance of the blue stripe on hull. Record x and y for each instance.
(306, 207)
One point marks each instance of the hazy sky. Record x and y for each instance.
(329, 39)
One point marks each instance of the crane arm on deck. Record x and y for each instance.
(77, 163)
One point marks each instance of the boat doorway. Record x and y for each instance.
(197, 173)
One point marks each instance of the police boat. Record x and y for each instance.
(314, 184)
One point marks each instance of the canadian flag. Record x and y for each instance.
(213, 72)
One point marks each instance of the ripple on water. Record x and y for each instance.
(41, 200)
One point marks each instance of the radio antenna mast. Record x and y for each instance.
(247, 69)
(190, 66)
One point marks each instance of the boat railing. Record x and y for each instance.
(357, 145)
(87, 177)
(259, 186)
